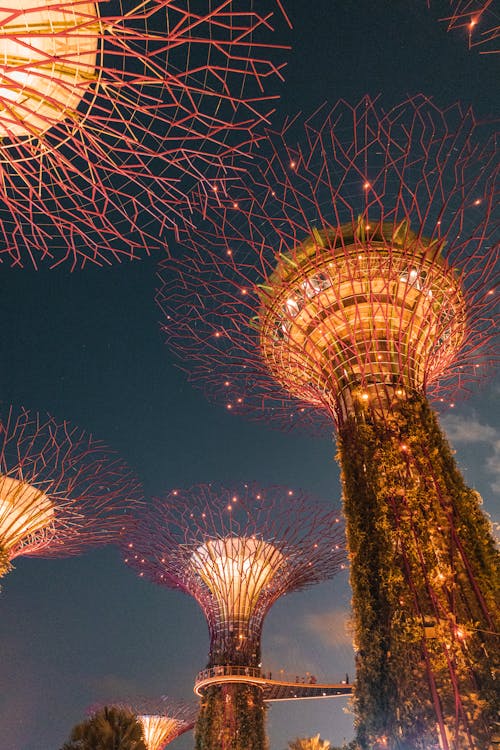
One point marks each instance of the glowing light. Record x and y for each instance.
(159, 730)
(236, 570)
(44, 75)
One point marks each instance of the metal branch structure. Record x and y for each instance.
(162, 721)
(236, 552)
(110, 109)
(349, 280)
(479, 19)
(61, 491)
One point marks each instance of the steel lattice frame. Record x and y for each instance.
(479, 19)
(415, 169)
(108, 111)
(162, 720)
(61, 491)
(350, 278)
(236, 551)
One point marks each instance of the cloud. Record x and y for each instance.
(465, 431)
(331, 627)
(493, 465)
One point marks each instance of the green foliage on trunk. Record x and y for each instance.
(418, 607)
(232, 717)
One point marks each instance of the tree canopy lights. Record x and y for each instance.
(110, 111)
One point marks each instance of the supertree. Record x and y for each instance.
(61, 491)
(106, 106)
(348, 281)
(480, 21)
(162, 721)
(236, 552)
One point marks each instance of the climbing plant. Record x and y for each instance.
(424, 576)
(232, 717)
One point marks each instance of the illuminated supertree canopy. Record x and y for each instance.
(236, 552)
(162, 721)
(61, 491)
(105, 107)
(361, 179)
(349, 280)
(479, 19)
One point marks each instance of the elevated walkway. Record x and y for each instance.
(279, 688)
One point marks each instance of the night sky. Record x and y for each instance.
(86, 347)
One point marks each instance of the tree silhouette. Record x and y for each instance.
(108, 729)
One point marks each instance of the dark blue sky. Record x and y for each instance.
(86, 347)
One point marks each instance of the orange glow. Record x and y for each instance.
(320, 328)
(237, 571)
(44, 75)
(24, 510)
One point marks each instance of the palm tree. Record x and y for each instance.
(108, 729)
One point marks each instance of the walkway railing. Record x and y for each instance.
(275, 687)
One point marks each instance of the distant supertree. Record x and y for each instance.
(61, 491)
(479, 19)
(347, 280)
(236, 553)
(105, 106)
(162, 721)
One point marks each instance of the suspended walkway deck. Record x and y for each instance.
(279, 688)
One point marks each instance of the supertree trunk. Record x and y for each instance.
(423, 574)
(232, 717)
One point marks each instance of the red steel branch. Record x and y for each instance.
(61, 491)
(367, 177)
(480, 21)
(236, 551)
(109, 110)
